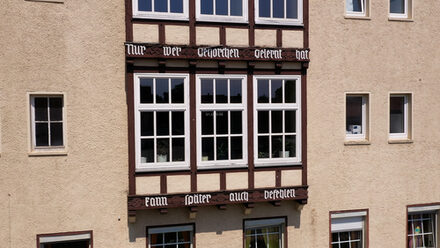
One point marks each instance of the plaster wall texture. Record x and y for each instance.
(376, 56)
(51, 47)
(176, 34)
(148, 33)
(207, 36)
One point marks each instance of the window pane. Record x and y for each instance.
(290, 91)
(263, 91)
(277, 121)
(278, 8)
(235, 91)
(335, 246)
(354, 115)
(171, 246)
(343, 236)
(69, 244)
(397, 6)
(335, 237)
(178, 122)
(222, 148)
(274, 241)
(429, 240)
(206, 7)
(221, 91)
(146, 90)
(236, 122)
(222, 122)
(156, 238)
(236, 7)
(207, 149)
(427, 225)
(147, 121)
(177, 90)
(40, 108)
(144, 5)
(56, 134)
(41, 134)
(162, 91)
(221, 7)
(263, 147)
(162, 123)
(277, 146)
(208, 122)
(161, 5)
(207, 91)
(277, 91)
(263, 121)
(292, 9)
(264, 8)
(236, 148)
(354, 5)
(163, 150)
(170, 237)
(178, 149)
(397, 116)
(290, 119)
(147, 152)
(184, 236)
(345, 245)
(55, 108)
(356, 244)
(176, 6)
(355, 235)
(290, 146)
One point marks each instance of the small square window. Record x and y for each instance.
(172, 236)
(161, 9)
(356, 117)
(283, 12)
(222, 10)
(357, 8)
(348, 229)
(400, 9)
(265, 233)
(423, 227)
(65, 240)
(47, 116)
(400, 117)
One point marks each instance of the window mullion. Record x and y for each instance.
(48, 121)
(270, 134)
(170, 146)
(155, 136)
(229, 135)
(271, 16)
(215, 135)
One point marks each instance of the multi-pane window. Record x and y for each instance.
(47, 121)
(176, 237)
(287, 12)
(348, 230)
(356, 116)
(277, 119)
(399, 8)
(399, 116)
(65, 240)
(266, 233)
(162, 134)
(422, 230)
(221, 116)
(222, 10)
(356, 7)
(161, 9)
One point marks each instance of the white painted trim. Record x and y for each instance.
(278, 106)
(365, 117)
(349, 214)
(279, 21)
(222, 18)
(347, 224)
(406, 102)
(398, 15)
(73, 237)
(138, 107)
(263, 223)
(363, 13)
(218, 107)
(423, 209)
(160, 15)
(156, 230)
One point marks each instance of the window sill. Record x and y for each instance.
(356, 142)
(46, 1)
(275, 164)
(401, 141)
(160, 169)
(347, 16)
(43, 153)
(400, 19)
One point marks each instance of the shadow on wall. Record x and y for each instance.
(211, 219)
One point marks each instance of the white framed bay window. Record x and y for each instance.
(281, 12)
(161, 121)
(277, 115)
(221, 121)
(161, 9)
(222, 10)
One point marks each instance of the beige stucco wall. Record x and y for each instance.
(76, 48)
(207, 36)
(265, 38)
(177, 34)
(148, 33)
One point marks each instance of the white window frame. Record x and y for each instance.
(160, 15)
(399, 15)
(219, 107)
(405, 134)
(278, 106)
(153, 107)
(49, 148)
(55, 238)
(363, 13)
(169, 229)
(279, 21)
(222, 18)
(348, 222)
(365, 119)
(253, 224)
(429, 209)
